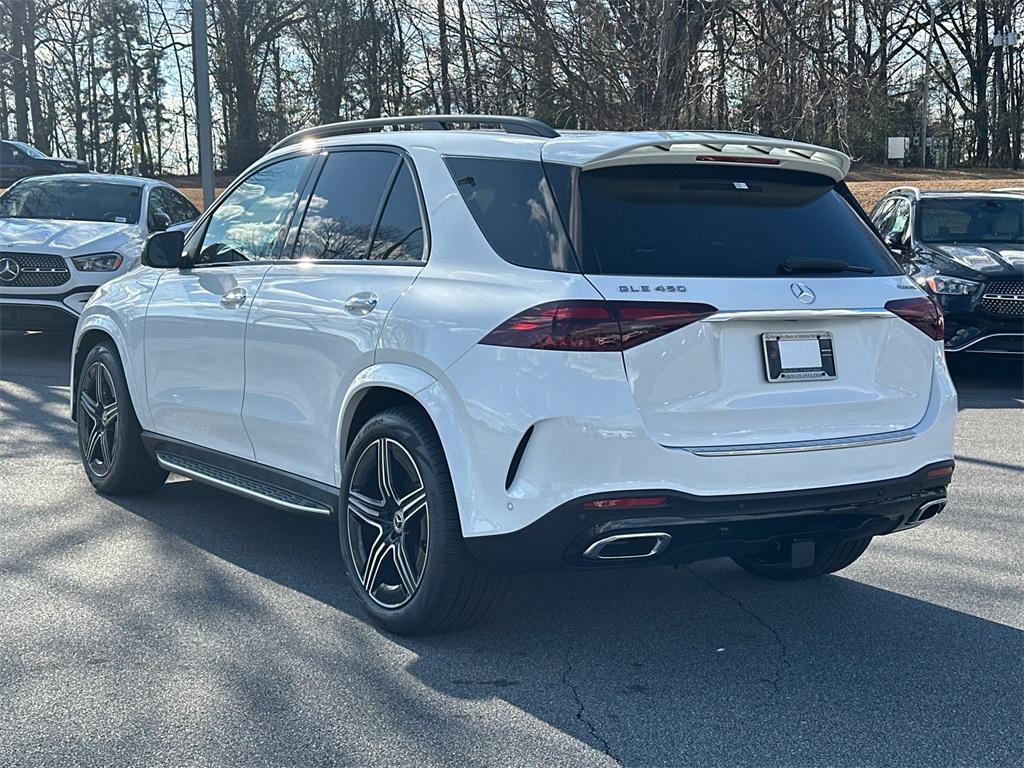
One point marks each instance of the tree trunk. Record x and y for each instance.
(40, 131)
(467, 73)
(445, 57)
(19, 81)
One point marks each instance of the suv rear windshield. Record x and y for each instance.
(970, 220)
(687, 221)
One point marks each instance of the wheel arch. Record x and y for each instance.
(393, 385)
(93, 330)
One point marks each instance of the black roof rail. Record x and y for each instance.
(522, 125)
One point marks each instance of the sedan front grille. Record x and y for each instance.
(1004, 298)
(32, 270)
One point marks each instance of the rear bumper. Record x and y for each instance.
(685, 528)
(524, 437)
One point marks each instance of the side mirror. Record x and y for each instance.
(894, 240)
(161, 221)
(163, 250)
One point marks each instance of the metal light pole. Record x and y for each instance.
(204, 119)
(924, 86)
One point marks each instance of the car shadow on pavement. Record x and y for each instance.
(678, 666)
(987, 381)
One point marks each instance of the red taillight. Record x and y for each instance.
(922, 313)
(629, 503)
(594, 326)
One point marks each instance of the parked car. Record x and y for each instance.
(63, 236)
(18, 160)
(488, 351)
(967, 250)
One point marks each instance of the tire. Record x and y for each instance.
(827, 559)
(411, 571)
(109, 436)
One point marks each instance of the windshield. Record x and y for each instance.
(28, 149)
(970, 220)
(72, 200)
(687, 221)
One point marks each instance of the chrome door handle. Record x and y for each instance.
(361, 303)
(233, 298)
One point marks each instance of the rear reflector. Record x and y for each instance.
(594, 326)
(922, 313)
(940, 472)
(630, 503)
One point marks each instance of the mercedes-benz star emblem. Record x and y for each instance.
(9, 270)
(803, 293)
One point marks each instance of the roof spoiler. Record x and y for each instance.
(700, 147)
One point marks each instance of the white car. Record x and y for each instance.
(62, 236)
(489, 351)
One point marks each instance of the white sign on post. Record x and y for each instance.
(897, 147)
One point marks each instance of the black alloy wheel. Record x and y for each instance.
(97, 419)
(388, 523)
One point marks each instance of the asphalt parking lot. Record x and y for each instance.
(194, 628)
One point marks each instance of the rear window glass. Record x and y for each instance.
(685, 221)
(399, 235)
(515, 210)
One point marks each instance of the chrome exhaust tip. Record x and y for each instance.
(628, 546)
(926, 511)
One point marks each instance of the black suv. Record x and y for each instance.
(967, 250)
(18, 160)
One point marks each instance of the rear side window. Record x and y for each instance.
(515, 210)
(399, 235)
(340, 216)
(686, 221)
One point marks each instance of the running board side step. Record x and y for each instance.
(241, 485)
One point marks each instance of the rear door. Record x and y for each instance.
(798, 350)
(317, 319)
(195, 321)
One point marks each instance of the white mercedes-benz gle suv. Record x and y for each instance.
(488, 351)
(63, 236)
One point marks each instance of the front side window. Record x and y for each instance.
(72, 201)
(901, 218)
(399, 235)
(248, 223)
(715, 221)
(343, 208)
(515, 210)
(29, 150)
(970, 220)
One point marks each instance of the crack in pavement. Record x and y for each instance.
(783, 666)
(581, 709)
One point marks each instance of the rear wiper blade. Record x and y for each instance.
(822, 265)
